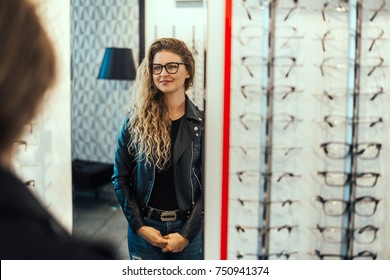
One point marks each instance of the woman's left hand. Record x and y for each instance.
(176, 243)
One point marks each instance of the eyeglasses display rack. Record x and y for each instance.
(267, 126)
(352, 129)
(308, 144)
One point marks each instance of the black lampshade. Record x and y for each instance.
(117, 64)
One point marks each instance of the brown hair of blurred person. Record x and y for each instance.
(27, 68)
(27, 72)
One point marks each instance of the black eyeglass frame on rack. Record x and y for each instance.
(361, 179)
(362, 235)
(344, 205)
(364, 150)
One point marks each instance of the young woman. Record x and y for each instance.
(158, 162)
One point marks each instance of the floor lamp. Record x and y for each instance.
(117, 64)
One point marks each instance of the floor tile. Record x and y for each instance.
(100, 219)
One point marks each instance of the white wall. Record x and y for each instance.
(214, 111)
(57, 172)
(47, 157)
(163, 17)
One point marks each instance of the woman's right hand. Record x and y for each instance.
(153, 236)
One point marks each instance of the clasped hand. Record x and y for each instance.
(173, 242)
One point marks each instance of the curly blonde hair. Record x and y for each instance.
(149, 124)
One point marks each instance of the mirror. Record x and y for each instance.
(99, 106)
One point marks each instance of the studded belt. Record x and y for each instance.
(164, 215)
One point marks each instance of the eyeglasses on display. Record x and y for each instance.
(284, 255)
(362, 235)
(340, 150)
(341, 179)
(364, 206)
(364, 255)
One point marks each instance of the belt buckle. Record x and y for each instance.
(168, 216)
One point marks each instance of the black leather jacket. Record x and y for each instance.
(133, 179)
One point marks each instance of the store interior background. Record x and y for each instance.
(83, 117)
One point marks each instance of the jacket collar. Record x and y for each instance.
(187, 130)
(192, 111)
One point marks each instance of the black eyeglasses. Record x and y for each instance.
(252, 151)
(376, 12)
(28, 145)
(245, 209)
(338, 8)
(376, 38)
(333, 120)
(336, 63)
(290, 9)
(252, 62)
(371, 92)
(30, 183)
(252, 35)
(21, 143)
(30, 127)
(328, 36)
(364, 255)
(291, 33)
(341, 34)
(248, 151)
(247, 233)
(340, 179)
(284, 255)
(249, 35)
(375, 66)
(253, 120)
(253, 92)
(283, 91)
(249, 176)
(283, 203)
(340, 150)
(241, 228)
(364, 206)
(285, 151)
(362, 235)
(285, 61)
(171, 67)
(281, 176)
(254, 12)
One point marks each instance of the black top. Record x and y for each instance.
(163, 195)
(29, 232)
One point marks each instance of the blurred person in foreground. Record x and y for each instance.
(27, 71)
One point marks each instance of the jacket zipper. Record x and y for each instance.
(150, 193)
(192, 185)
(197, 179)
